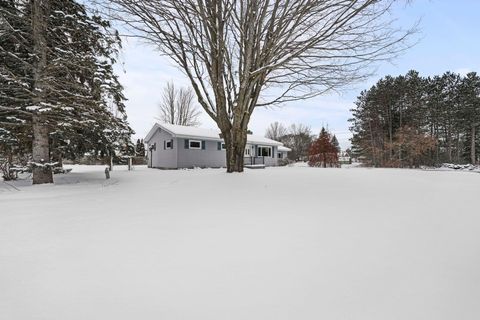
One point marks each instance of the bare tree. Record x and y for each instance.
(276, 131)
(298, 138)
(243, 54)
(177, 106)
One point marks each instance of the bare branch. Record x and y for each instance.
(177, 106)
(238, 54)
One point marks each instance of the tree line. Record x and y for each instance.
(59, 95)
(321, 150)
(410, 120)
(297, 137)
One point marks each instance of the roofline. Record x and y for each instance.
(151, 133)
(159, 125)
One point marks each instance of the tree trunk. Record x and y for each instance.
(40, 148)
(110, 162)
(42, 171)
(58, 159)
(449, 147)
(473, 156)
(235, 142)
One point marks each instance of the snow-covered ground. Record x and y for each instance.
(280, 243)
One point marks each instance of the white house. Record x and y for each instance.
(173, 146)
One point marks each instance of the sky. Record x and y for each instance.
(447, 41)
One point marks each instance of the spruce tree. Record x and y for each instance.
(335, 143)
(60, 81)
(140, 148)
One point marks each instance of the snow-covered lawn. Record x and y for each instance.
(280, 243)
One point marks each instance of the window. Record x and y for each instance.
(223, 146)
(280, 155)
(264, 151)
(169, 144)
(248, 151)
(195, 144)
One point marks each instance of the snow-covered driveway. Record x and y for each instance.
(280, 243)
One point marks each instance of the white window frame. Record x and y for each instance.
(223, 146)
(249, 149)
(265, 147)
(166, 144)
(195, 148)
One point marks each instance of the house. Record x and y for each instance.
(173, 146)
(283, 152)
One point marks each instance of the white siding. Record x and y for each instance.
(162, 158)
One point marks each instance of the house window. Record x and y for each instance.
(248, 151)
(195, 144)
(169, 144)
(280, 155)
(221, 146)
(264, 151)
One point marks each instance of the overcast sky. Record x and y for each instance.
(448, 41)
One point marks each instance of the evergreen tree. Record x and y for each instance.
(470, 114)
(15, 38)
(440, 114)
(58, 82)
(322, 152)
(335, 143)
(140, 148)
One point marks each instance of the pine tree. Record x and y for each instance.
(59, 82)
(395, 111)
(322, 152)
(470, 113)
(15, 92)
(140, 148)
(335, 143)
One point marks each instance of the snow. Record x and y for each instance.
(469, 167)
(16, 119)
(284, 149)
(299, 243)
(32, 108)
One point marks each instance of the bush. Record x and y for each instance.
(285, 162)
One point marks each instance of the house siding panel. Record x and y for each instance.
(210, 157)
(162, 158)
(272, 161)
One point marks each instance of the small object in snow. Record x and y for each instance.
(107, 173)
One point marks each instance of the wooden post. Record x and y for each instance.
(129, 164)
(107, 173)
